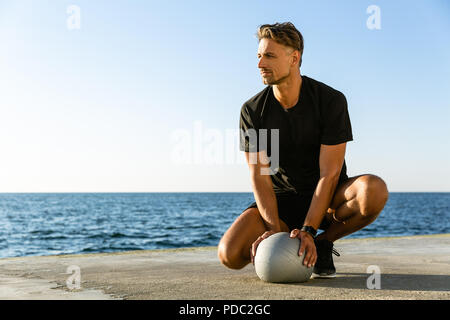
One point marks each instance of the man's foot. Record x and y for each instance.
(324, 267)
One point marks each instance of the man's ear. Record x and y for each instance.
(296, 56)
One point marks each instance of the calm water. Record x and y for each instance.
(45, 224)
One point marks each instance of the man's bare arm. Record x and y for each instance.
(331, 160)
(263, 191)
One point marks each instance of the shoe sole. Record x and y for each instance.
(323, 276)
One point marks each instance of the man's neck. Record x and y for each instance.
(288, 92)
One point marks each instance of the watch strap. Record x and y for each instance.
(310, 230)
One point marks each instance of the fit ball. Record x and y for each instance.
(277, 260)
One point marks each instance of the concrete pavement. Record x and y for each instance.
(416, 267)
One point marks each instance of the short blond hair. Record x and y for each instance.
(283, 33)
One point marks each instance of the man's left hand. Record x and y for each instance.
(307, 244)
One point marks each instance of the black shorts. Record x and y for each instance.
(292, 209)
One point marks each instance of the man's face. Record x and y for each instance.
(275, 61)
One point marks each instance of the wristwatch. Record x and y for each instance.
(310, 230)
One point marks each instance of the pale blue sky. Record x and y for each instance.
(97, 109)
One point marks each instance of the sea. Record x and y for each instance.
(36, 224)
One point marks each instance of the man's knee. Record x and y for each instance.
(229, 256)
(234, 247)
(372, 195)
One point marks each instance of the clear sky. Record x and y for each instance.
(144, 96)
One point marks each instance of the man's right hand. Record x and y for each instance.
(256, 243)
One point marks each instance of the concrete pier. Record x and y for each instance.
(416, 267)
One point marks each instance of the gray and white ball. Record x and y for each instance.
(277, 260)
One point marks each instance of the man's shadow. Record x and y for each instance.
(411, 282)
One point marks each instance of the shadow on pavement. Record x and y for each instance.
(413, 282)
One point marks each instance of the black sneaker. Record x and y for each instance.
(324, 267)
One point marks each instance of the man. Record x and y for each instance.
(309, 189)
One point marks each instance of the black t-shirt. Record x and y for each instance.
(319, 117)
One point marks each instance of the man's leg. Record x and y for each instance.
(234, 247)
(357, 202)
